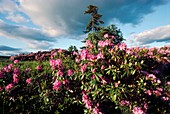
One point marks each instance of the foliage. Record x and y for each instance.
(118, 79)
(110, 78)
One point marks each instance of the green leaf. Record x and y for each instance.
(114, 97)
(108, 72)
(82, 77)
(133, 72)
(98, 74)
(97, 78)
(114, 77)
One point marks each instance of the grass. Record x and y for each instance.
(4, 60)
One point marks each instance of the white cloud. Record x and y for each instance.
(8, 6)
(18, 18)
(159, 34)
(43, 45)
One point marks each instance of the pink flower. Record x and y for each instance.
(151, 76)
(159, 89)
(16, 61)
(75, 53)
(158, 81)
(168, 83)
(39, 68)
(77, 60)
(60, 73)
(93, 76)
(55, 63)
(122, 46)
(52, 62)
(102, 67)
(128, 51)
(165, 98)
(65, 82)
(103, 80)
(9, 86)
(60, 50)
(97, 111)
(88, 105)
(85, 98)
(58, 62)
(149, 92)
(27, 70)
(16, 71)
(137, 110)
(107, 42)
(150, 53)
(100, 56)
(28, 81)
(101, 43)
(106, 36)
(56, 85)
(145, 106)
(69, 72)
(124, 102)
(116, 84)
(113, 37)
(87, 102)
(104, 43)
(91, 57)
(93, 70)
(88, 43)
(10, 66)
(15, 78)
(83, 68)
(84, 54)
(157, 93)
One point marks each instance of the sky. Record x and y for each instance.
(37, 25)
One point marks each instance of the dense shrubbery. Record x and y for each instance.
(118, 79)
(109, 78)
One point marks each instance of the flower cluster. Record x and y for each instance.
(56, 85)
(138, 110)
(126, 80)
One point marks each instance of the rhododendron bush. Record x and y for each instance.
(115, 78)
(103, 78)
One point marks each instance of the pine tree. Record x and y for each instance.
(94, 22)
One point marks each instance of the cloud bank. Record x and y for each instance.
(66, 17)
(35, 38)
(159, 34)
(7, 48)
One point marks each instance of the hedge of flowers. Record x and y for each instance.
(102, 80)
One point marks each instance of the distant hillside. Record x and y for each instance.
(4, 57)
(40, 55)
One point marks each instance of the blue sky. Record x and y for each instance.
(33, 25)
